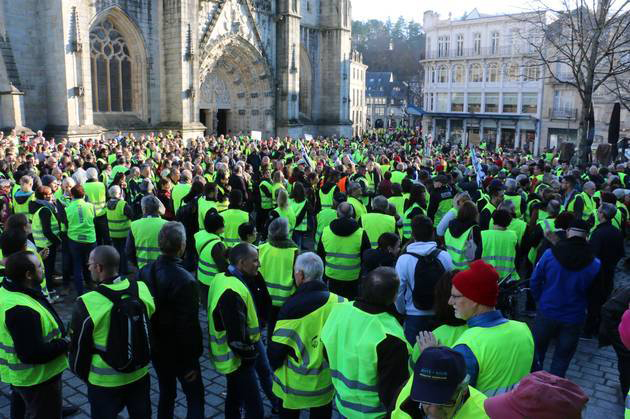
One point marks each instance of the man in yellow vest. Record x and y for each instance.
(354, 199)
(92, 334)
(378, 221)
(233, 217)
(142, 242)
(583, 205)
(266, 200)
(341, 247)
(180, 190)
(440, 199)
(366, 348)
(301, 376)
(277, 257)
(439, 389)
(499, 246)
(96, 195)
(81, 234)
(46, 228)
(498, 352)
(211, 251)
(33, 355)
(235, 332)
(496, 192)
(119, 216)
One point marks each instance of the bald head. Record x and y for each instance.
(103, 263)
(380, 286)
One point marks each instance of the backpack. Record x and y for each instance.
(129, 338)
(428, 272)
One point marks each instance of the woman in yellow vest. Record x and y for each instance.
(301, 208)
(283, 209)
(119, 217)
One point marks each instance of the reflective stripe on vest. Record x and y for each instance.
(266, 202)
(407, 220)
(499, 250)
(324, 218)
(222, 358)
(375, 224)
(99, 309)
(179, 192)
(39, 238)
(276, 268)
(443, 207)
(343, 255)
(326, 199)
(118, 223)
(203, 206)
(297, 208)
(81, 221)
(145, 233)
(95, 192)
(456, 247)
(233, 218)
(207, 267)
(14, 371)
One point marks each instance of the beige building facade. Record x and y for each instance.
(358, 105)
(196, 66)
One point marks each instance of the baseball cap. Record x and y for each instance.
(539, 395)
(437, 375)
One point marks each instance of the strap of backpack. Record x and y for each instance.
(115, 296)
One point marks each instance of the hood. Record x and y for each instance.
(111, 204)
(573, 254)
(21, 197)
(344, 227)
(421, 248)
(283, 244)
(457, 227)
(327, 187)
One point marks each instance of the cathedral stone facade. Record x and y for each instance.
(82, 68)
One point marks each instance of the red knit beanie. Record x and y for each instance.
(480, 283)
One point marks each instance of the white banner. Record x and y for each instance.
(256, 135)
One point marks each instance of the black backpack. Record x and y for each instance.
(129, 338)
(428, 272)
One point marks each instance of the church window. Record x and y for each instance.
(111, 69)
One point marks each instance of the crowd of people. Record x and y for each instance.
(377, 276)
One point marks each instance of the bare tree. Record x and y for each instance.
(584, 44)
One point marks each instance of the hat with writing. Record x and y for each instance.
(437, 375)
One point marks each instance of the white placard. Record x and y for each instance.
(308, 137)
(256, 135)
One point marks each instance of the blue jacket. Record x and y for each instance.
(561, 281)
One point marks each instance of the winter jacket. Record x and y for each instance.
(406, 268)
(562, 278)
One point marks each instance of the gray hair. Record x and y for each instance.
(554, 207)
(150, 205)
(68, 182)
(508, 206)
(380, 203)
(172, 237)
(115, 191)
(91, 173)
(79, 177)
(511, 185)
(278, 229)
(4, 182)
(609, 210)
(310, 265)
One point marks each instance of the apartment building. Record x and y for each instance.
(358, 105)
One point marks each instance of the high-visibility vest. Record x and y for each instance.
(99, 309)
(81, 216)
(233, 218)
(359, 208)
(95, 192)
(289, 215)
(589, 205)
(546, 224)
(504, 353)
(297, 207)
(343, 255)
(266, 202)
(490, 208)
(351, 337)
(324, 218)
(516, 199)
(207, 266)
(39, 238)
(399, 203)
(471, 409)
(178, 193)
(203, 206)
(12, 370)
(222, 205)
(397, 177)
(117, 222)
(274, 191)
(375, 224)
(222, 358)
(627, 410)
(326, 199)
(145, 233)
(443, 207)
(407, 220)
(276, 267)
(499, 250)
(304, 381)
(456, 248)
(23, 208)
(446, 336)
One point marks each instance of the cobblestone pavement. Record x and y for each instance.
(593, 368)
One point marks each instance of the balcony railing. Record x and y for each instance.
(506, 50)
(563, 113)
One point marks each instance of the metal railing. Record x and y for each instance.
(563, 113)
(505, 50)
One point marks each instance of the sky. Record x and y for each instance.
(414, 9)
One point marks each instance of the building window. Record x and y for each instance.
(443, 75)
(457, 102)
(111, 69)
(512, 72)
(476, 75)
(477, 43)
(474, 102)
(433, 71)
(493, 73)
(442, 102)
(443, 44)
(494, 43)
(458, 74)
(460, 45)
(532, 72)
(529, 103)
(431, 102)
(510, 102)
(492, 102)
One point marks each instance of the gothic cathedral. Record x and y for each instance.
(83, 68)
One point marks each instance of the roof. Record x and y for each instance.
(382, 84)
